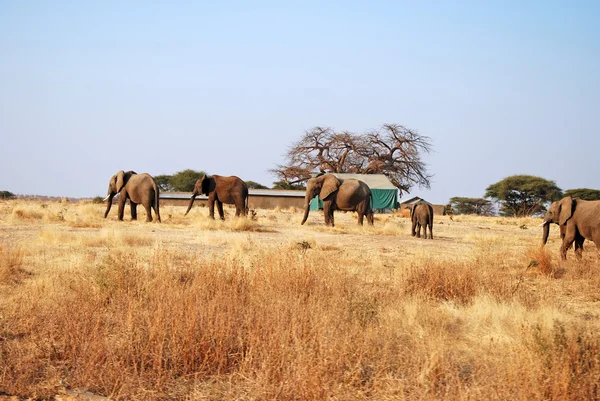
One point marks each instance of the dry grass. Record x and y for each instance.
(267, 309)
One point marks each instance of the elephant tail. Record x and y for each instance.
(157, 201)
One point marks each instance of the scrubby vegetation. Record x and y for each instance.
(267, 309)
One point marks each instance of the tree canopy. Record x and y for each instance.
(392, 150)
(284, 185)
(164, 182)
(523, 195)
(6, 195)
(255, 185)
(479, 206)
(182, 181)
(583, 193)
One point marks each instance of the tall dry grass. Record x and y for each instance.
(144, 311)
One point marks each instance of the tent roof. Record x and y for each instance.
(414, 199)
(374, 181)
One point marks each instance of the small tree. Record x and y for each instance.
(185, 180)
(164, 182)
(255, 185)
(287, 186)
(583, 193)
(523, 195)
(479, 206)
(6, 195)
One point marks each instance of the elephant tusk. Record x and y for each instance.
(543, 223)
(105, 199)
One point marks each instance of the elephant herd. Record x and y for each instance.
(578, 219)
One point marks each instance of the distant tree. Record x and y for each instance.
(480, 206)
(392, 150)
(185, 180)
(583, 193)
(6, 195)
(287, 186)
(255, 185)
(523, 195)
(164, 182)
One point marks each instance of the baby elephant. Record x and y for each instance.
(422, 215)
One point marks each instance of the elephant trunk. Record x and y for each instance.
(191, 204)
(306, 210)
(546, 233)
(109, 199)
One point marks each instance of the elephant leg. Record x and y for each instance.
(327, 213)
(567, 242)
(430, 231)
(413, 228)
(579, 246)
(211, 208)
(418, 230)
(133, 207)
(220, 209)
(148, 212)
(122, 201)
(156, 212)
(370, 218)
(360, 218)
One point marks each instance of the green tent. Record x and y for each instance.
(385, 194)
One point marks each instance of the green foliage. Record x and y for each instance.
(523, 195)
(97, 200)
(6, 195)
(584, 193)
(479, 206)
(255, 185)
(284, 185)
(164, 182)
(185, 180)
(464, 205)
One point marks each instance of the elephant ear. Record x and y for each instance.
(565, 210)
(330, 185)
(204, 184)
(120, 181)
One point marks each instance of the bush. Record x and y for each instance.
(6, 195)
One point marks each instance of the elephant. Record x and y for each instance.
(138, 188)
(421, 214)
(578, 220)
(343, 194)
(221, 189)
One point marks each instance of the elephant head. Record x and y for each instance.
(322, 185)
(558, 213)
(204, 185)
(115, 185)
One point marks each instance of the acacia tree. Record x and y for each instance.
(523, 195)
(583, 193)
(392, 150)
(479, 206)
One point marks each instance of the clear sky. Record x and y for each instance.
(90, 88)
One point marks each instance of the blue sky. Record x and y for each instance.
(90, 88)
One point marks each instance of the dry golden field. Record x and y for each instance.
(267, 309)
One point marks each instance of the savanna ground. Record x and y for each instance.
(269, 309)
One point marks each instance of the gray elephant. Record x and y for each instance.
(221, 189)
(578, 220)
(138, 188)
(421, 214)
(339, 194)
